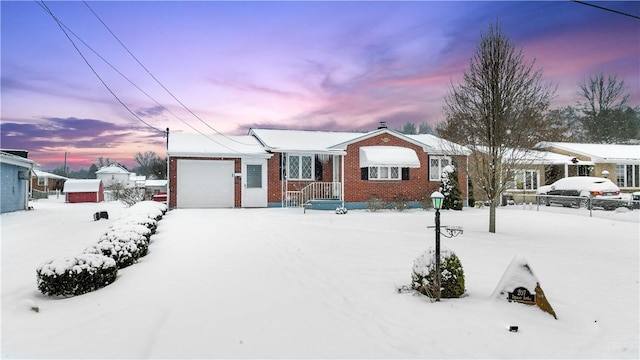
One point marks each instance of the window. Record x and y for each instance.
(42, 181)
(254, 176)
(523, 180)
(300, 167)
(384, 173)
(436, 165)
(628, 175)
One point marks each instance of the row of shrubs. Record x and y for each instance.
(126, 241)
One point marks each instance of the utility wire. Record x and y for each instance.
(153, 77)
(63, 27)
(46, 8)
(607, 9)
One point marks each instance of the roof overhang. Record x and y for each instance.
(388, 156)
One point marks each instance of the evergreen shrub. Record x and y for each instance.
(451, 278)
(77, 275)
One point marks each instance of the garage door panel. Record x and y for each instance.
(205, 184)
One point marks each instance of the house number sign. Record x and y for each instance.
(522, 295)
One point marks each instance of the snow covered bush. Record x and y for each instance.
(341, 210)
(124, 244)
(77, 275)
(451, 278)
(152, 209)
(138, 219)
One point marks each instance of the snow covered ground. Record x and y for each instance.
(277, 283)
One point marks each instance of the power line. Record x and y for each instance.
(63, 27)
(46, 8)
(153, 77)
(607, 9)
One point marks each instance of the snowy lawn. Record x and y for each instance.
(277, 283)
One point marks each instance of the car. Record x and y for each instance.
(582, 191)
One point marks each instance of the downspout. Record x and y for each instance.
(342, 180)
(168, 177)
(467, 179)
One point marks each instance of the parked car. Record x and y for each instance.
(578, 190)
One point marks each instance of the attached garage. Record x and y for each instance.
(216, 171)
(205, 183)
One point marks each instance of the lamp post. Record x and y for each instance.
(437, 198)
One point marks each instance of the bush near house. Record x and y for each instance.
(76, 275)
(451, 278)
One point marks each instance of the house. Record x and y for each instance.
(83, 190)
(303, 167)
(15, 173)
(114, 175)
(43, 182)
(621, 163)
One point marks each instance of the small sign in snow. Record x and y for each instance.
(521, 294)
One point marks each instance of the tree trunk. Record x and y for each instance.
(492, 216)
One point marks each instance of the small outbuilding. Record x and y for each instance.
(83, 190)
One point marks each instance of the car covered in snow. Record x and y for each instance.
(582, 191)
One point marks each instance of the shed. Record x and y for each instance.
(84, 190)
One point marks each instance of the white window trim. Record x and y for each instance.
(388, 178)
(300, 156)
(625, 179)
(437, 176)
(520, 176)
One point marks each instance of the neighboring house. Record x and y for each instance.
(155, 186)
(43, 181)
(296, 167)
(84, 190)
(621, 162)
(114, 175)
(15, 173)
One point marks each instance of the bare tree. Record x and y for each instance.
(605, 115)
(498, 111)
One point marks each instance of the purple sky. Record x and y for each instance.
(304, 65)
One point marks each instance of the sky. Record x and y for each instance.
(225, 67)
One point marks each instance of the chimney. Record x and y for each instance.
(382, 125)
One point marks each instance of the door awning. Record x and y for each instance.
(388, 156)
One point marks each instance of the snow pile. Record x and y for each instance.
(76, 275)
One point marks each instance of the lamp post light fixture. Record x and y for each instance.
(437, 198)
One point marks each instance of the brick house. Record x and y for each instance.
(321, 169)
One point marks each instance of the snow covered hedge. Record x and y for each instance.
(451, 278)
(76, 275)
(126, 240)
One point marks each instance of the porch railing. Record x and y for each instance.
(314, 191)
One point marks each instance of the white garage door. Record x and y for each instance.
(205, 184)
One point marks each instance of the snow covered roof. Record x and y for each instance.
(441, 146)
(112, 169)
(155, 183)
(16, 160)
(81, 185)
(336, 142)
(388, 156)
(182, 144)
(302, 140)
(611, 153)
(44, 174)
(550, 158)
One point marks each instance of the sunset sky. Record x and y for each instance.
(295, 65)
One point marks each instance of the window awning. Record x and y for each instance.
(388, 156)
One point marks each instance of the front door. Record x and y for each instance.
(254, 183)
